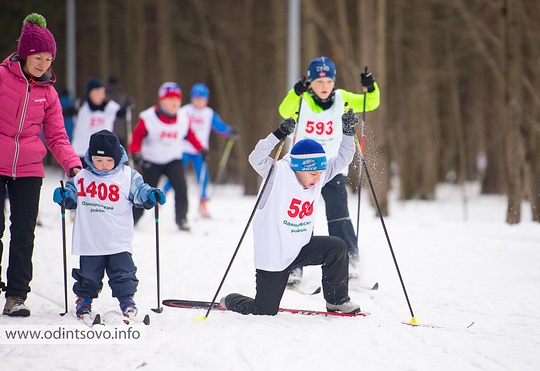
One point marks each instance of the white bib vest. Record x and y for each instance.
(163, 142)
(323, 127)
(200, 121)
(104, 218)
(89, 122)
(285, 223)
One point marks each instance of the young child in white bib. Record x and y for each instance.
(103, 195)
(284, 220)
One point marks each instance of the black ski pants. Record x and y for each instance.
(328, 252)
(174, 170)
(337, 214)
(120, 270)
(23, 194)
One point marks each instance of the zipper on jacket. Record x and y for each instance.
(21, 125)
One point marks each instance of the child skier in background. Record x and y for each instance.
(283, 224)
(156, 147)
(321, 107)
(96, 113)
(202, 120)
(103, 195)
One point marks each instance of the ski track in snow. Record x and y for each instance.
(456, 272)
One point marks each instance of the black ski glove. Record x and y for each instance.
(301, 86)
(348, 121)
(233, 133)
(285, 128)
(72, 171)
(137, 159)
(366, 78)
(205, 154)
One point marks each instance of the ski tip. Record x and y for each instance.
(375, 286)
(146, 320)
(199, 318)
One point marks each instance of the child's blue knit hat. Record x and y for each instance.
(321, 67)
(199, 91)
(308, 155)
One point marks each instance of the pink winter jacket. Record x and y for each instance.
(28, 109)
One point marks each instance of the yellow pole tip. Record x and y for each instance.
(199, 318)
(413, 321)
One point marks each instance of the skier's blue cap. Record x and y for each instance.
(321, 67)
(308, 155)
(199, 91)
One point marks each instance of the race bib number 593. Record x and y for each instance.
(320, 127)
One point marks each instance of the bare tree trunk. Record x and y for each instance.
(420, 134)
(372, 52)
(512, 102)
(130, 48)
(394, 99)
(137, 8)
(225, 80)
(251, 182)
(456, 120)
(310, 44)
(166, 46)
(103, 19)
(531, 137)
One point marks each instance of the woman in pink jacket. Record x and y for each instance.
(29, 106)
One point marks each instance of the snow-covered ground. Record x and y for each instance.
(456, 272)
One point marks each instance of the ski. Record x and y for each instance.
(114, 316)
(193, 304)
(90, 319)
(421, 325)
(303, 291)
(429, 325)
(317, 290)
(356, 285)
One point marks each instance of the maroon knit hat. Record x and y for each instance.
(35, 37)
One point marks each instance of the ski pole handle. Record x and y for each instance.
(364, 89)
(63, 204)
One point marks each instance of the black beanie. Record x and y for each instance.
(93, 83)
(104, 143)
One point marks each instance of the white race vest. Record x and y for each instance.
(200, 121)
(285, 223)
(104, 218)
(163, 142)
(89, 122)
(323, 127)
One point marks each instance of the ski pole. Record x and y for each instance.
(159, 308)
(202, 176)
(359, 148)
(64, 249)
(361, 157)
(223, 161)
(261, 193)
(129, 135)
(298, 112)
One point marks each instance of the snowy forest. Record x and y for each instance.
(460, 79)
